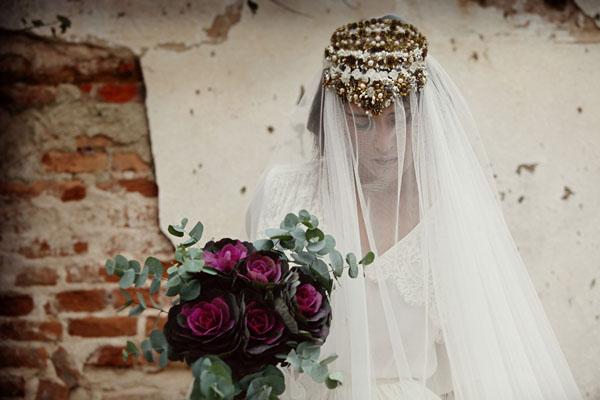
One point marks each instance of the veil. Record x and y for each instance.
(447, 308)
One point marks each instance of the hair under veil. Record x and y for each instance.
(447, 310)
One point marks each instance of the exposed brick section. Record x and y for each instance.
(58, 161)
(88, 143)
(129, 162)
(121, 92)
(81, 300)
(66, 190)
(80, 247)
(12, 385)
(42, 276)
(109, 356)
(40, 248)
(143, 186)
(19, 356)
(27, 96)
(69, 64)
(63, 365)
(15, 305)
(103, 327)
(50, 390)
(31, 330)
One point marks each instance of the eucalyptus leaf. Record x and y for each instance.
(155, 285)
(173, 281)
(158, 340)
(126, 294)
(353, 271)
(134, 265)
(334, 379)
(110, 267)
(304, 216)
(162, 359)
(142, 278)
(135, 311)
(127, 304)
(175, 230)
(191, 290)
(127, 279)
(319, 372)
(294, 360)
(332, 357)
(263, 244)
(196, 231)
(172, 269)
(155, 267)
(329, 245)
(141, 300)
(281, 234)
(290, 221)
(125, 355)
(314, 235)
(316, 247)
(121, 262)
(367, 259)
(147, 351)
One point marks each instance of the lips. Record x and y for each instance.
(386, 161)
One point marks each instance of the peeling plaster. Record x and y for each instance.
(581, 17)
(223, 22)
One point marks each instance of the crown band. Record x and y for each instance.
(370, 62)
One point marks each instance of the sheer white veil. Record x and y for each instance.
(448, 305)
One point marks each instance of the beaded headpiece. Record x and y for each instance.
(372, 61)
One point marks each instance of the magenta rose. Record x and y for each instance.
(207, 325)
(265, 328)
(225, 254)
(309, 299)
(263, 266)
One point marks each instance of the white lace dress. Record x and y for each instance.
(289, 189)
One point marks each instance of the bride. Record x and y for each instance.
(384, 150)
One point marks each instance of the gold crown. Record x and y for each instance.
(372, 61)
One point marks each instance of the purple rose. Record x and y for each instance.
(265, 328)
(208, 317)
(225, 254)
(309, 299)
(262, 266)
(208, 325)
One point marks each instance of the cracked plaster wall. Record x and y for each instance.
(222, 80)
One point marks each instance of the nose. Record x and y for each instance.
(385, 137)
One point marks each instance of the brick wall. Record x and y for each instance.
(76, 187)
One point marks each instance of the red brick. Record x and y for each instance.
(58, 161)
(31, 330)
(74, 193)
(18, 356)
(50, 390)
(95, 142)
(81, 300)
(109, 356)
(129, 162)
(120, 92)
(42, 276)
(150, 323)
(143, 186)
(12, 385)
(63, 365)
(103, 327)
(15, 305)
(80, 247)
(28, 95)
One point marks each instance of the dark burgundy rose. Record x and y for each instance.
(265, 328)
(225, 254)
(207, 325)
(309, 304)
(263, 266)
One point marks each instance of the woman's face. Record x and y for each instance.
(380, 142)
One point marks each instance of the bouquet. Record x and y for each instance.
(241, 309)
